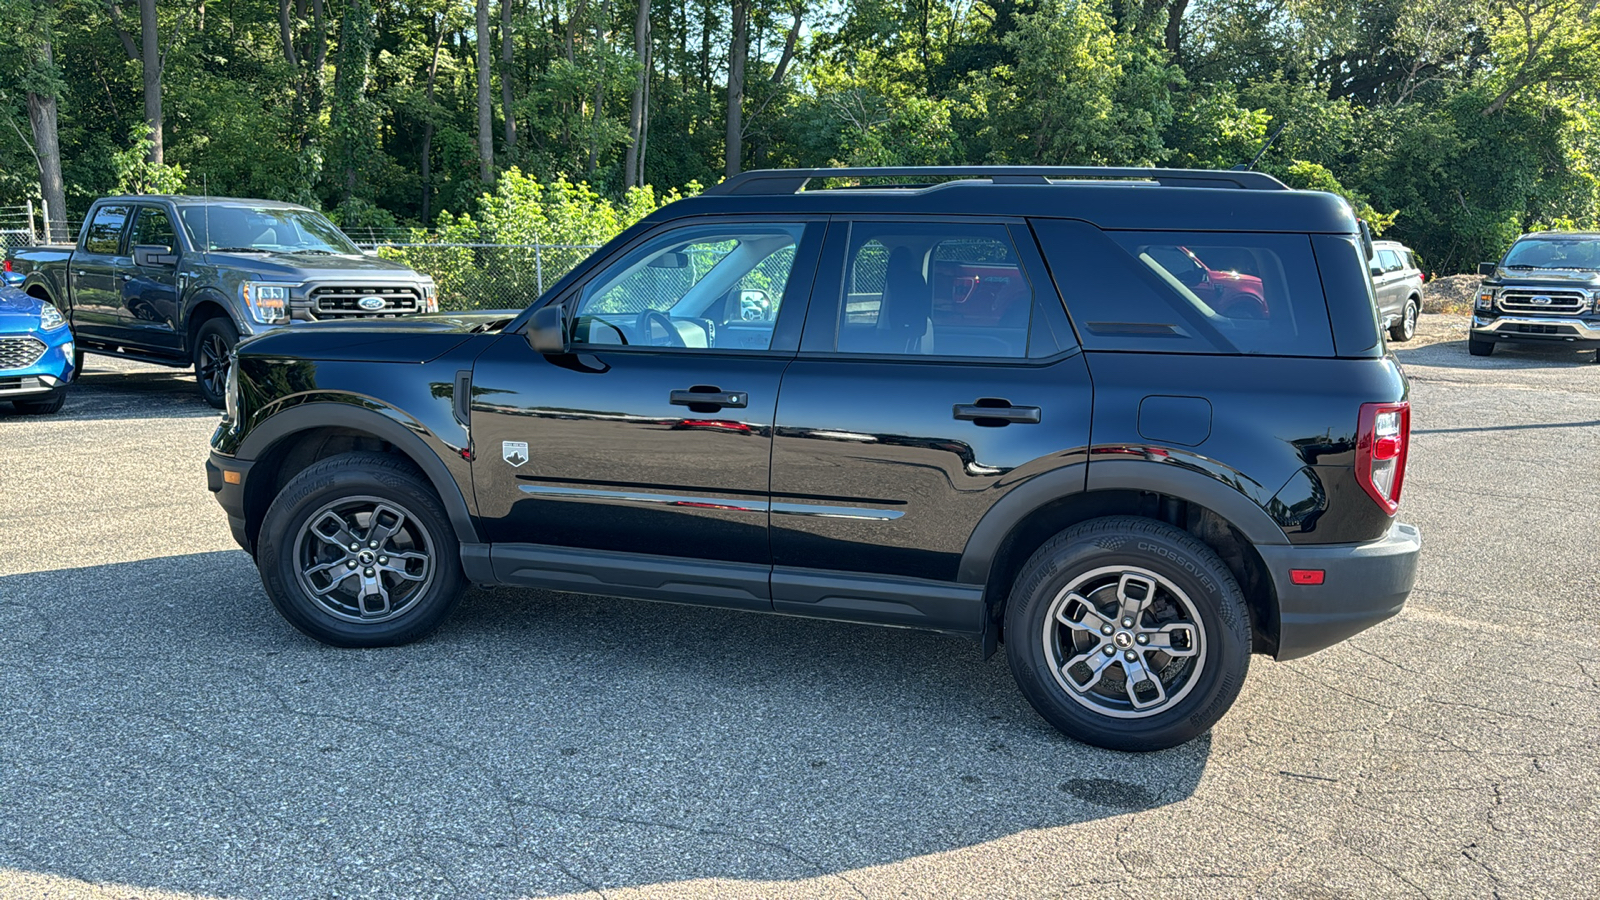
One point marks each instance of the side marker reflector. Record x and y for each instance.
(1306, 576)
(230, 477)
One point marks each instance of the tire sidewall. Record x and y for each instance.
(322, 484)
(1176, 556)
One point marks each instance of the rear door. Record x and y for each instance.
(1389, 282)
(936, 373)
(94, 272)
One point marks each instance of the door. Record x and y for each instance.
(638, 464)
(150, 292)
(93, 272)
(937, 372)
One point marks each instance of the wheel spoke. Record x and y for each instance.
(374, 599)
(334, 582)
(1092, 621)
(1139, 674)
(1097, 662)
(332, 529)
(1163, 639)
(386, 523)
(1131, 603)
(401, 570)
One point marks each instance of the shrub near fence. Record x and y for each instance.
(488, 276)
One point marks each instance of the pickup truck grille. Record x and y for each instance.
(1556, 302)
(343, 301)
(20, 352)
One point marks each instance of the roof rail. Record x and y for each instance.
(792, 181)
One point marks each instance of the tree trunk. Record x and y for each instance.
(485, 109)
(42, 116)
(427, 127)
(633, 171)
(736, 57)
(150, 46)
(601, 37)
(507, 95)
(1175, 28)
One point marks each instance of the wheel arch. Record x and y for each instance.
(202, 308)
(292, 440)
(1224, 519)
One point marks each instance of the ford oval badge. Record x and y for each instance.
(371, 304)
(1540, 300)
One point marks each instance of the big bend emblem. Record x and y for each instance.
(514, 452)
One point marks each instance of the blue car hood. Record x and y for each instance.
(18, 311)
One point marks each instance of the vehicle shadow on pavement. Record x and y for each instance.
(168, 730)
(104, 392)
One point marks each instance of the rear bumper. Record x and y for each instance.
(1536, 328)
(1363, 584)
(225, 477)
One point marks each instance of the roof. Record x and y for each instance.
(1563, 235)
(1126, 199)
(193, 200)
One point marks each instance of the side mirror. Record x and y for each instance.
(547, 330)
(1487, 269)
(12, 279)
(154, 256)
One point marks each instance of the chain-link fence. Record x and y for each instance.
(487, 276)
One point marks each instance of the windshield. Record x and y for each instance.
(266, 230)
(1562, 253)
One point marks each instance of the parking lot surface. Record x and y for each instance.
(166, 734)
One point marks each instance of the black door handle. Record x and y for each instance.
(700, 395)
(997, 412)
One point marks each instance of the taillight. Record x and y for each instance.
(8, 265)
(1381, 445)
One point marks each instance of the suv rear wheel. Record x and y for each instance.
(1127, 633)
(1405, 328)
(357, 551)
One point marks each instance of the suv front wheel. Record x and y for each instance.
(357, 551)
(1127, 633)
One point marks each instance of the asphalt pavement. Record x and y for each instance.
(165, 734)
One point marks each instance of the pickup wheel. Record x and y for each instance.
(1405, 328)
(213, 349)
(1128, 634)
(1479, 348)
(357, 551)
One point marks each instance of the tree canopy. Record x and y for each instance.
(1454, 125)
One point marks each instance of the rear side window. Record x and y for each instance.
(953, 289)
(1176, 292)
(1391, 260)
(105, 231)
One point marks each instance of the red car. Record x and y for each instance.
(1232, 294)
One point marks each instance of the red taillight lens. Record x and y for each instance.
(1382, 441)
(8, 265)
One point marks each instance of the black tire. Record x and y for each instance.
(1185, 598)
(304, 557)
(45, 407)
(1405, 328)
(1479, 348)
(213, 354)
(77, 362)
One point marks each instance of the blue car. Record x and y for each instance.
(36, 362)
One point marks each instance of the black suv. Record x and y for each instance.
(985, 401)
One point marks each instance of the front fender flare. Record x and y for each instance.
(410, 438)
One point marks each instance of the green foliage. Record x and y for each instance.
(137, 175)
(1454, 124)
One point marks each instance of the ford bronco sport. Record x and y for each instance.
(972, 400)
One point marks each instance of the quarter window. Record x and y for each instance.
(703, 287)
(104, 235)
(953, 289)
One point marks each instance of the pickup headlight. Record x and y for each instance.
(268, 303)
(430, 297)
(50, 318)
(1485, 302)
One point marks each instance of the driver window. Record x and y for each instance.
(704, 287)
(154, 228)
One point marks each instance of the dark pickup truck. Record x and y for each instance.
(179, 280)
(1547, 288)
